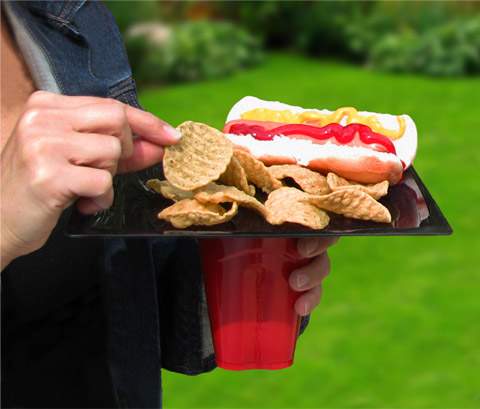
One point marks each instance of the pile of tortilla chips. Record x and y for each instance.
(208, 179)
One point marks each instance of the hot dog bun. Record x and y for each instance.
(356, 163)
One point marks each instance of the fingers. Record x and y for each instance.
(93, 120)
(86, 182)
(86, 205)
(107, 119)
(95, 150)
(311, 275)
(103, 152)
(121, 120)
(310, 278)
(144, 124)
(306, 303)
(311, 247)
(150, 128)
(145, 154)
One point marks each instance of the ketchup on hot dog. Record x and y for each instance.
(343, 135)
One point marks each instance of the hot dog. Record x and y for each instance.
(360, 146)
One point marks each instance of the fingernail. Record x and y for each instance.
(304, 248)
(311, 247)
(308, 248)
(301, 280)
(306, 308)
(173, 133)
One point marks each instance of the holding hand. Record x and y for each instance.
(68, 147)
(310, 277)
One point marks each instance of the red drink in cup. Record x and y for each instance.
(250, 302)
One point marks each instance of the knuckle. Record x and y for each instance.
(118, 115)
(35, 149)
(29, 120)
(38, 97)
(113, 102)
(41, 177)
(116, 149)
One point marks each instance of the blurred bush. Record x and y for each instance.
(190, 51)
(434, 38)
(430, 38)
(365, 28)
(313, 27)
(446, 50)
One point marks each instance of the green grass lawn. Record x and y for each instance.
(399, 323)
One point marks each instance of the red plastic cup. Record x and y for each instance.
(250, 302)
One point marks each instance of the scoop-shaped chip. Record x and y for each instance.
(351, 203)
(376, 190)
(213, 193)
(188, 212)
(200, 157)
(310, 181)
(167, 190)
(289, 204)
(256, 171)
(235, 176)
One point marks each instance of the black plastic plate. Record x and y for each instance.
(134, 214)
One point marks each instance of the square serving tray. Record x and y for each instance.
(134, 214)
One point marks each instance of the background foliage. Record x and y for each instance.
(399, 322)
(432, 38)
(193, 50)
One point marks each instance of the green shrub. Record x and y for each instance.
(364, 30)
(447, 50)
(193, 51)
(432, 38)
(310, 26)
(321, 28)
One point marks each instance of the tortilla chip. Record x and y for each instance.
(289, 204)
(167, 190)
(200, 157)
(213, 193)
(376, 190)
(188, 212)
(351, 203)
(235, 176)
(256, 171)
(310, 181)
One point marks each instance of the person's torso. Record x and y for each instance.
(75, 48)
(82, 47)
(85, 55)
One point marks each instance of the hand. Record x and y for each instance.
(65, 148)
(309, 278)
